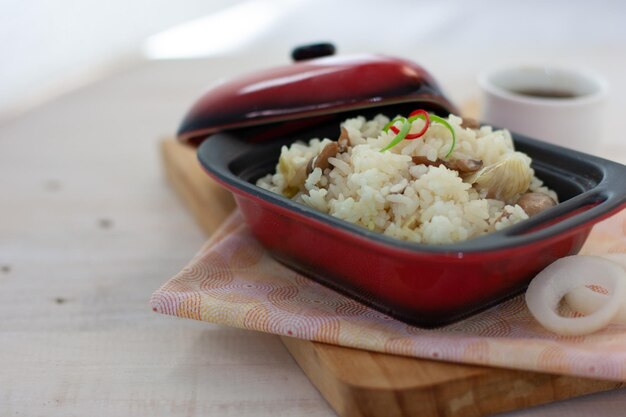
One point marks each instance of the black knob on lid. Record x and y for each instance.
(314, 50)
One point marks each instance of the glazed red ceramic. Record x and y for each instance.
(250, 118)
(309, 91)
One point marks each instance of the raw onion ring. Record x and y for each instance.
(553, 283)
(584, 300)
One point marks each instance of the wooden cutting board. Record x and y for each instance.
(361, 383)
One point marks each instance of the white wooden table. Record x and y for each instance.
(89, 228)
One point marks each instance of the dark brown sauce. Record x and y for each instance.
(546, 93)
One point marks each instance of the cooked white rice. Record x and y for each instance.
(387, 193)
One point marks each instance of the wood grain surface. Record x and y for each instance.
(361, 383)
(89, 228)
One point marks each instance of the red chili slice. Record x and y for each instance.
(421, 132)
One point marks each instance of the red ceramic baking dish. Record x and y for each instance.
(246, 121)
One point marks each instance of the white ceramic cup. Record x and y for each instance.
(522, 99)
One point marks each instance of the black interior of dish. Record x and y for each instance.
(586, 185)
(566, 176)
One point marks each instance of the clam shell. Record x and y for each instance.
(505, 179)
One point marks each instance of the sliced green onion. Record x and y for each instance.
(404, 130)
(395, 119)
(444, 122)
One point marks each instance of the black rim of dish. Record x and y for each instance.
(602, 181)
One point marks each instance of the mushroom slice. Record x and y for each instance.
(343, 140)
(463, 166)
(535, 203)
(469, 123)
(321, 160)
(332, 149)
(504, 179)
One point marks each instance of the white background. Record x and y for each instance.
(48, 47)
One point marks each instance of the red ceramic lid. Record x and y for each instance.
(306, 90)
